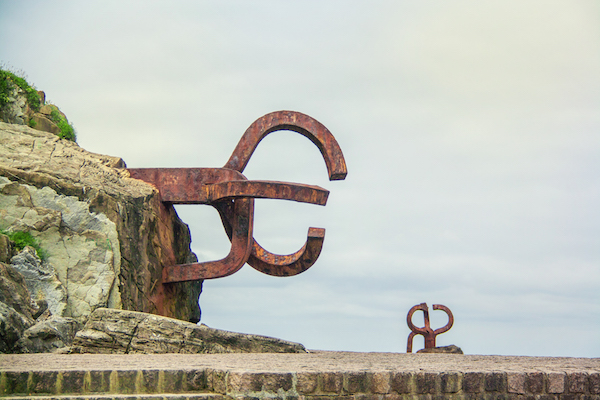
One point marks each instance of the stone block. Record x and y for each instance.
(495, 382)
(577, 382)
(473, 396)
(555, 383)
(594, 383)
(14, 382)
(307, 382)
(243, 382)
(216, 380)
(146, 381)
(534, 382)
(495, 396)
(515, 396)
(393, 396)
(380, 382)
(272, 382)
(367, 396)
(42, 382)
(72, 381)
(99, 381)
(356, 382)
(331, 382)
(123, 382)
(473, 382)
(426, 382)
(402, 382)
(451, 382)
(515, 382)
(590, 397)
(546, 397)
(173, 381)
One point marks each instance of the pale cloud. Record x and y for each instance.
(470, 131)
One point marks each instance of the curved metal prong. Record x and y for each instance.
(291, 264)
(293, 121)
(446, 327)
(275, 264)
(240, 231)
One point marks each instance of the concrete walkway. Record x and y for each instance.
(326, 361)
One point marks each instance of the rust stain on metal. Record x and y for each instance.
(428, 333)
(232, 194)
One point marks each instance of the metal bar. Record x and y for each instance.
(266, 190)
(184, 185)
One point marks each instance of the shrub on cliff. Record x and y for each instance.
(8, 81)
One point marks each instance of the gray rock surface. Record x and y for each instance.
(107, 236)
(110, 331)
(42, 281)
(451, 349)
(16, 110)
(16, 309)
(49, 335)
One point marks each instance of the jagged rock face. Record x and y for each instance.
(17, 110)
(16, 309)
(107, 236)
(42, 282)
(110, 331)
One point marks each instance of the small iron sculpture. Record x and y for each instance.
(428, 333)
(232, 194)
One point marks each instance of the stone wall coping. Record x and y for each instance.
(315, 361)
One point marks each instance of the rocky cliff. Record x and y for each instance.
(105, 237)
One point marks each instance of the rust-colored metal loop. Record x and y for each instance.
(292, 121)
(241, 246)
(292, 264)
(232, 194)
(428, 333)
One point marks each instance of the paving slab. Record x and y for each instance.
(315, 361)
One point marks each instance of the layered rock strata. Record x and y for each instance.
(110, 331)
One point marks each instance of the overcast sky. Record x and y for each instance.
(471, 131)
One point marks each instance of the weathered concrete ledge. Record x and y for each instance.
(313, 376)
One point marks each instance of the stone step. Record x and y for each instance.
(312, 376)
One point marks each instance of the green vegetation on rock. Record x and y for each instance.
(7, 81)
(66, 129)
(23, 239)
(33, 98)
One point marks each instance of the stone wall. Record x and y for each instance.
(316, 376)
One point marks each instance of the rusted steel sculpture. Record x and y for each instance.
(232, 194)
(428, 333)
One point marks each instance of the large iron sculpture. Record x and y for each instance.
(428, 333)
(232, 194)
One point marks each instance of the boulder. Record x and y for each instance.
(107, 237)
(451, 349)
(49, 335)
(110, 331)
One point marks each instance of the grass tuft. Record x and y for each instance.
(23, 239)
